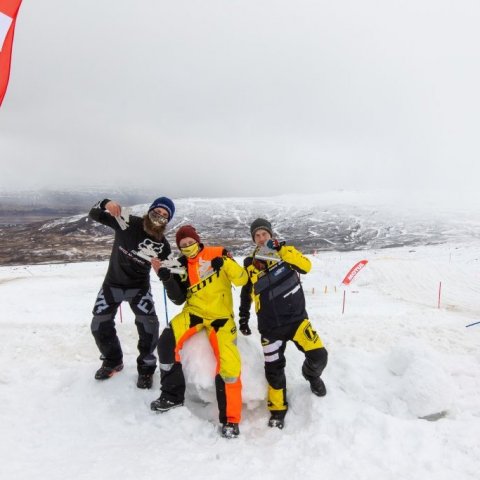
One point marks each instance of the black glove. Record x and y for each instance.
(243, 326)
(275, 244)
(164, 274)
(217, 263)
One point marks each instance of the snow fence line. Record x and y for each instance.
(352, 273)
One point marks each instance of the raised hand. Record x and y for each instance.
(274, 244)
(113, 208)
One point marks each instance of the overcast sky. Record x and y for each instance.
(245, 97)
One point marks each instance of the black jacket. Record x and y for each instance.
(129, 265)
(276, 290)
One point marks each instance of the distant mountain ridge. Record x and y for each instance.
(339, 221)
(36, 205)
(53, 198)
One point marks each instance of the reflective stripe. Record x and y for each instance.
(272, 347)
(230, 379)
(150, 360)
(166, 367)
(287, 283)
(291, 292)
(272, 358)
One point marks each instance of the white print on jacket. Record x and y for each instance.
(148, 249)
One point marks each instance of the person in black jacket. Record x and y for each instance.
(137, 241)
(275, 288)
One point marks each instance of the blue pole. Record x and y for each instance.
(165, 303)
(472, 324)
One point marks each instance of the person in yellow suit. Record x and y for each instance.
(206, 289)
(274, 287)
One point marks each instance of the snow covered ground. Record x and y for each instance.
(394, 357)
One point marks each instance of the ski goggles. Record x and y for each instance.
(157, 218)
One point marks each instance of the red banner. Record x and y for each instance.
(353, 271)
(8, 15)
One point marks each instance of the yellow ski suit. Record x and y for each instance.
(208, 305)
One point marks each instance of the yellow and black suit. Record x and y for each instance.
(276, 291)
(209, 306)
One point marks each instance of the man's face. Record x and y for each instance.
(260, 237)
(159, 216)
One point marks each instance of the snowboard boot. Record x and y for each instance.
(145, 380)
(277, 419)
(103, 373)
(230, 430)
(316, 385)
(162, 405)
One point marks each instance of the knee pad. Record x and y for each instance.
(315, 362)
(166, 346)
(102, 323)
(148, 323)
(275, 374)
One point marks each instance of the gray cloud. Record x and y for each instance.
(243, 98)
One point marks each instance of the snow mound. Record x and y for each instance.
(422, 386)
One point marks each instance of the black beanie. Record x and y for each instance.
(260, 224)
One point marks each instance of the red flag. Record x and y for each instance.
(353, 271)
(8, 15)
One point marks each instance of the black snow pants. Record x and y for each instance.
(103, 325)
(274, 342)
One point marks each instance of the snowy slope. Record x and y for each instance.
(334, 221)
(394, 357)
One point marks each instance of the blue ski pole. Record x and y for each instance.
(472, 324)
(165, 303)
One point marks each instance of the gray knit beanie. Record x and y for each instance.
(260, 224)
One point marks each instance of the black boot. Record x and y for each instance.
(145, 380)
(162, 405)
(230, 430)
(103, 373)
(277, 419)
(316, 385)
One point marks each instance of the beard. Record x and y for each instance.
(155, 231)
